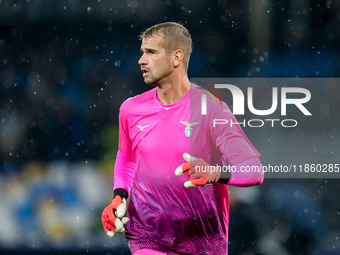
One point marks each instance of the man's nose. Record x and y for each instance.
(142, 61)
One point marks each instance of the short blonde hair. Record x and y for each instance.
(175, 36)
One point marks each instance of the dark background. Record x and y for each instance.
(65, 69)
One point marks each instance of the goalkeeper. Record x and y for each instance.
(161, 136)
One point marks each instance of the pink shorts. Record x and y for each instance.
(148, 252)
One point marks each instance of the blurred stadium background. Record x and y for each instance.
(67, 65)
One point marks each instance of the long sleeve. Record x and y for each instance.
(124, 172)
(125, 166)
(248, 173)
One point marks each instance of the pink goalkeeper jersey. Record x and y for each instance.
(164, 215)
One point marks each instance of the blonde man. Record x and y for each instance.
(158, 133)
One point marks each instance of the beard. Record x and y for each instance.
(156, 76)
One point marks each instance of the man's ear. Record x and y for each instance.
(178, 57)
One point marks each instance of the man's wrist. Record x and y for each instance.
(224, 178)
(121, 192)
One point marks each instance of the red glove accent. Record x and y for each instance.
(112, 216)
(199, 178)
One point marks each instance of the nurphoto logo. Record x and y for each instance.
(238, 98)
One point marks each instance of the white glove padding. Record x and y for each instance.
(113, 216)
(179, 171)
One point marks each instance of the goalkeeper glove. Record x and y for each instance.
(113, 215)
(200, 173)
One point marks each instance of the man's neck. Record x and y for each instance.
(171, 92)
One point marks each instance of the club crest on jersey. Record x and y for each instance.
(188, 127)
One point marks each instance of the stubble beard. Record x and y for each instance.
(155, 79)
